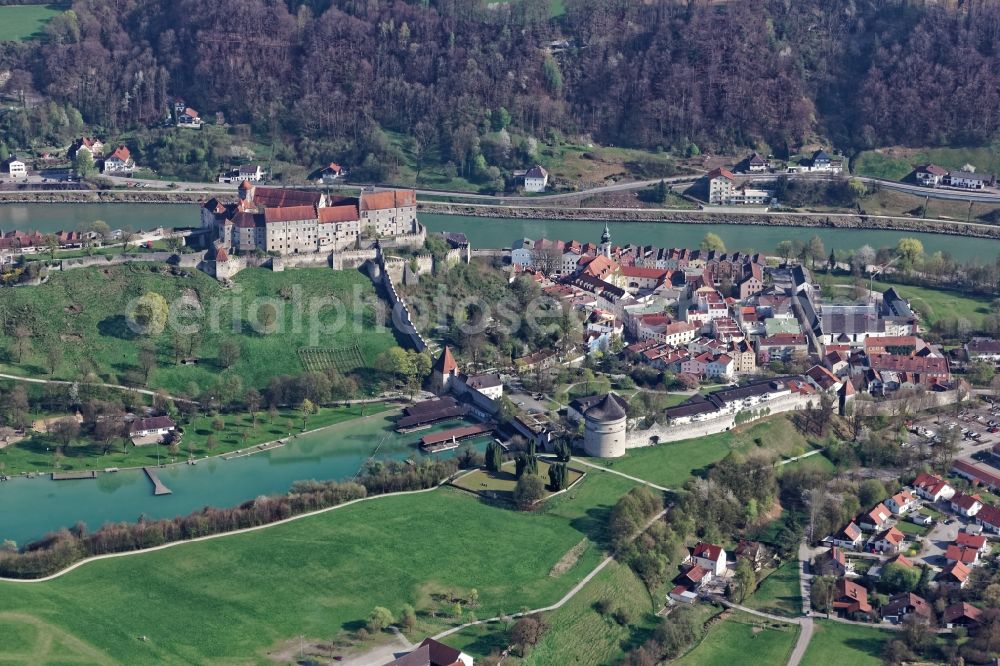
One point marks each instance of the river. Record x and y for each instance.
(29, 508)
(492, 232)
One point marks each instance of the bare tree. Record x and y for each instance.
(547, 259)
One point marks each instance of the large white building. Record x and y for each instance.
(291, 221)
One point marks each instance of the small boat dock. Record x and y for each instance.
(72, 476)
(158, 487)
(449, 439)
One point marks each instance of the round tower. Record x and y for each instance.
(604, 429)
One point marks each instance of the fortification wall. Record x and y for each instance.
(113, 260)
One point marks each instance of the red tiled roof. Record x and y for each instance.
(989, 515)
(289, 214)
(446, 362)
(956, 570)
(892, 535)
(976, 541)
(651, 273)
(961, 610)
(965, 501)
(346, 213)
(708, 551)
(696, 573)
(721, 171)
(122, 153)
(282, 196)
(978, 472)
(388, 199)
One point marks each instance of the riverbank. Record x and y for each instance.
(101, 197)
(708, 217)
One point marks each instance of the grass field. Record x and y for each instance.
(501, 484)
(671, 464)
(896, 163)
(22, 22)
(36, 454)
(779, 593)
(837, 643)
(744, 639)
(577, 633)
(233, 598)
(933, 304)
(84, 312)
(817, 462)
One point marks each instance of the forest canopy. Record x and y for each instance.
(472, 82)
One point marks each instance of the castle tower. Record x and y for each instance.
(604, 428)
(606, 241)
(246, 194)
(444, 371)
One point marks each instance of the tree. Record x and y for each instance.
(563, 452)
(909, 250)
(525, 463)
(229, 353)
(267, 314)
(494, 456)
(83, 164)
(712, 241)
(53, 357)
(898, 578)
(785, 249)
(558, 477)
(408, 617)
(526, 633)
(148, 314)
(252, 399)
(380, 618)
(529, 489)
(210, 442)
(306, 408)
(21, 344)
(821, 593)
(147, 361)
(65, 430)
(981, 373)
(816, 250)
(870, 492)
(744, 580)
(218, 424)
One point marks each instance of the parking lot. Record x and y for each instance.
(978, 426)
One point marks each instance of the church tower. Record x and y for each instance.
(606, 241)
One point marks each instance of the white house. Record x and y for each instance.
(709, 556)
(932, 488)
(966, 505)
(720, 186)
(875, 519)
(901, 502)
(431, 652)
(849, 537)
(930, 175)
(251, 172)
(189, 118)
(17, 168)
(156, 425)
(487, 384)
(969, 180)
(536, 179)
(888, 541)
(119, 161)
(721, 366)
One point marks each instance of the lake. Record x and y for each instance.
(493, 232)
(33, 507)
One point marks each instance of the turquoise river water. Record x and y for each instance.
(492, 232)
(29, 508)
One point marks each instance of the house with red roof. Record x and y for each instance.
(907, 603)
(851, 599)
(933, 488)
(888, 541)
(709, 556)
(955, 574)
(961, 614)
(989, 518)
(976, 541)
(966, 505)
(902, 502)
(849, 537)
(876, 519)
(967, 555)
(119, 162)
(433, 653)
(832, 562)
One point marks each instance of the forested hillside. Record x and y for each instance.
(473, 84)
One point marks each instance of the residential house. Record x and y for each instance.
(536, 179)
(245, 172)
(977, 541)
(832, 562)
(918, 518)
(902, 502)
(876, 519)
(961, 614)
(888, 541)
(782, 347)
(120, 161)
(966, 505)
(989, 518)
(756, 164)
(851, 598)
(983, 349)
(907, 603)
(933, 488)
(709, 556)
(849, 537)
(189, 118)
(487, 384)
(92, 145)
(720, 186)
(970, 180)
(955, 574)
(967, 555)
(156, 425)
(696, 576)
(331, 173)
(16, 168)
(823, 379)
(930, 175)
(682, 594)
(753, 552)
(433, 653)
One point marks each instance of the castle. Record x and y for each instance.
(291, 221)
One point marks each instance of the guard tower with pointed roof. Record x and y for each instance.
(445, 370)
(606, 241)
(604, 425)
